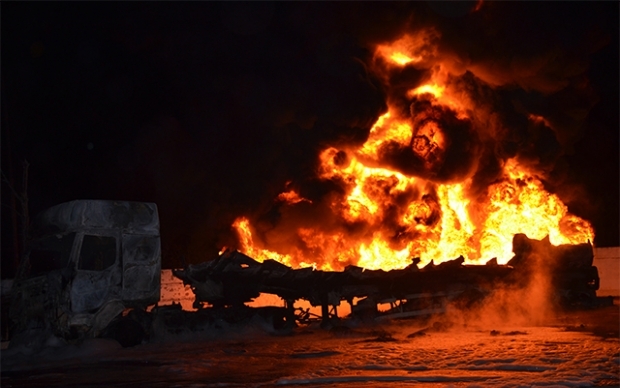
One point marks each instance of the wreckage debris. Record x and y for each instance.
(74, 281)
(233, 279)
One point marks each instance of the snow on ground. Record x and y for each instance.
(524, 357)
(433, 354)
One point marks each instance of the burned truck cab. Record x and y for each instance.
(86, 262)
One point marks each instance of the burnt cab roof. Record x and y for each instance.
(130, 217)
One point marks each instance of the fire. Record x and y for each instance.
(385, 129)
(410, 49)
(384, 216)
(242, 225)
(520, 204)
(401, 58)
(434, 89)
(291, 197)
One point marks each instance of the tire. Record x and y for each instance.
(127, 332)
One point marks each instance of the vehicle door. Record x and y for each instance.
(98, 277)
(40, 288)
(141, 269)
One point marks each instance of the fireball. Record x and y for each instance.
(414, 190)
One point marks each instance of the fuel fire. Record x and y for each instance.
(412, 190)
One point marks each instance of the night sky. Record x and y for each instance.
(208, 109)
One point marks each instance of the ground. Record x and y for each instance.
(569, 349)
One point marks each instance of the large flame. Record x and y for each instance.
(404, 216)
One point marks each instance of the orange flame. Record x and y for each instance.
(433, 89)
(410, 49)
(242, 226)
(386, 218)
(292, 197)
(518, 204)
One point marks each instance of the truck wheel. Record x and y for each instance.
(128, 332)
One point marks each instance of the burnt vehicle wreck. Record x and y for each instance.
(86, 263)
(93, 269)
(232, 279)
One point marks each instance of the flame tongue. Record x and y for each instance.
(406, 192)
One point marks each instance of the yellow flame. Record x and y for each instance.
(429, 220)
(378, 255)
(402, 59)
(409, 48)
(434, 89)
(518, 204)
(388, 128)
(242, 226)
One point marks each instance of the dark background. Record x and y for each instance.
(208, 109)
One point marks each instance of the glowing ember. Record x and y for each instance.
(389, 211)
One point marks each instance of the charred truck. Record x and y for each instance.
(88, 263)
(93, 267)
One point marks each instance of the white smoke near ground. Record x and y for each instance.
(507, 307)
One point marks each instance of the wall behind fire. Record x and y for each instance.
(607, 260)
(173, 291)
